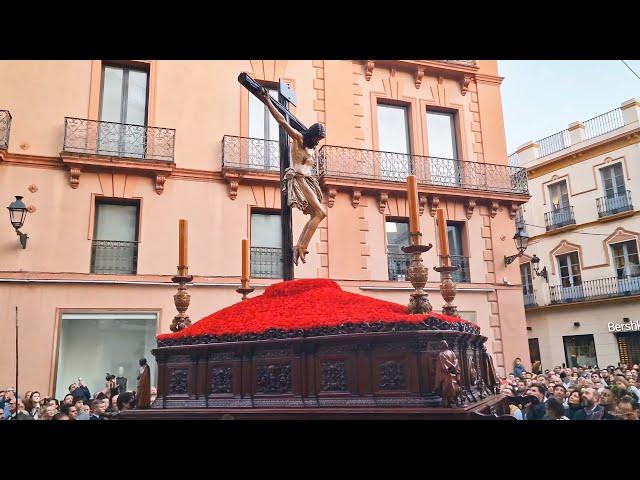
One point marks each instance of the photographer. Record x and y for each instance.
(80, 390)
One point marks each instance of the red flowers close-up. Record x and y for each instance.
(302, 305)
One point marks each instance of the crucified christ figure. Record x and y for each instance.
(302, 187)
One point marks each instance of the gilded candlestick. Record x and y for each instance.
(418, 275)
(448, 288)
(181, 299)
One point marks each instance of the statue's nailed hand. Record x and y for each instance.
(264, 94)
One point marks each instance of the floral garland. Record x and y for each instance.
(308, 307)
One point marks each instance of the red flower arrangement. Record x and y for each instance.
(302, 305)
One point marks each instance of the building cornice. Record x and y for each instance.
(586, 152)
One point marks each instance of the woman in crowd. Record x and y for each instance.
(34, 405)
(555, 410)
(574, 402)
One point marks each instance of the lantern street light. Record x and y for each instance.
(17, 213)
(535, 261)
(521, 240)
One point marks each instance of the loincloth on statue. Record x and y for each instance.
(295, 194)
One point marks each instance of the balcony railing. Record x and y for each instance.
(118, 139)
(266, 262)
(251, 153)
(357, 163)
(554, 143)
(613, 205)
(468, 63)
(604, 123)
(559, 217)
(398, 266)
(114, 257)
(530, 300)
(5, 127)
(595, 289)
(462, 274)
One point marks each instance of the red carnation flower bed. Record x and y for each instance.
(302, 305)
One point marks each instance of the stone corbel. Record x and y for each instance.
(471, 205)
(383, 200)
(369, 69)
(234, 182)
(422, 202)
(464, 83)
(331, 197)
(160, 179)
(513, 211)
(435, 201)
(74, 177)
(494, 208)
(355, 197)
(419, 76)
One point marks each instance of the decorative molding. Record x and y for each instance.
(464, 83)
(160, 179)
(331, 197)
(234, 182)
(334, 377)
(419, 76)
(369, 69)
(273, 378)
(513, 211)
(392, 376)
(33, 188)
(471, 205)
(494, 208)
(383, 200)
(355, 197)
(74, 177)
(221, 380)
(435, 201)
(31, 209)
(422, 202)
(178, 382)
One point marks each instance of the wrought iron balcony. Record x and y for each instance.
(266, 262)
(118, 140)
(595, 289)
(250, 153)
(468, 63)
(530, 300)
(462, 274)
(559, 217)
(398, 266)
(114, 257)
(355, 163)
(5, 127)
(612, 205)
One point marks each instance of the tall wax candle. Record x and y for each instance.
(182, 250)
(443, 240)
(245, 260)
(414, 217)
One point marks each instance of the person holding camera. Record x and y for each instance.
(80, 390)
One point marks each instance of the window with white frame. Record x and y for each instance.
(613, 181)
(443, 148)
(625, 259)
(266, 245)
(393, 142)
(264, 131)
(569, 267)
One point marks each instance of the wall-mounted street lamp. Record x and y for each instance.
(535, 261)
(521, 239)
(17, 213)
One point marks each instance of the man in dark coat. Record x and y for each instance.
(143, 394)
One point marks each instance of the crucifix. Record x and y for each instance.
(300, 187)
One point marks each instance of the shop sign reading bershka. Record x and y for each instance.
(632, 326)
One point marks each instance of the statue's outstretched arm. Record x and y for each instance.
(293, 133)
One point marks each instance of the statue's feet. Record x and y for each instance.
(299, 253)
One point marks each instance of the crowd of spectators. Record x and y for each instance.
(576, 393)
(78, 404)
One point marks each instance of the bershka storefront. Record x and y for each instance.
(628, 338)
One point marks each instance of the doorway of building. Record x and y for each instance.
(534, 354)
(629, 347)
(580, 351)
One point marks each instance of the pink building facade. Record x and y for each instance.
(109, 155)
